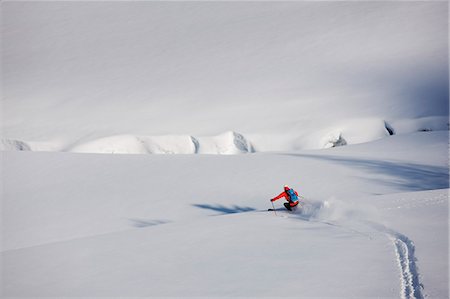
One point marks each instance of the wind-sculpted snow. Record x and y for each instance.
(226, 143)
(436, 123)
(129, 144)
(350, 131)
(14, 145)
(340, 133)
(335, 139)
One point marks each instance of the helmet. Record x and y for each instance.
(286, 187)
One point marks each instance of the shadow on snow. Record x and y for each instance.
(146, 223)
(224, 209)
(405, 176)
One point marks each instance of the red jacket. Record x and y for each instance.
(286, 196)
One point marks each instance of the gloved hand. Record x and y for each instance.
(271, 200)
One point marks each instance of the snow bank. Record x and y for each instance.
(355, 131)
(129, 144)
(14, 145)
(431, 123)
(226, 143)
(350, 131)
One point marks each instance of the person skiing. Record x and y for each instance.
(290, 195)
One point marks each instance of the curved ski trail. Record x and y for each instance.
(404, 249)
(406, 260)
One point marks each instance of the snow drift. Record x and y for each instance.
(14, 145)
(350, 131)
(226, 143)
(128, 144)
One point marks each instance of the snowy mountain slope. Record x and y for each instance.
(236, 255)
(286, 75)
(277, 79)
(196, 225)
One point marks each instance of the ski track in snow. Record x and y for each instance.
(404, 249)
(406, 260)
(410, 286)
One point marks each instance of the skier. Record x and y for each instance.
(290, 195)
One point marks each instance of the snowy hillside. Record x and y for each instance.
(213, 106)
(374, 223)
(286, 76)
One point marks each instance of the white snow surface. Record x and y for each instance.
(312, 89)
(285, 75)
(226, 143)
(374, 223)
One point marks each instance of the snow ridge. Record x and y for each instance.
(14, 145)
(227, 143)
(352, 131)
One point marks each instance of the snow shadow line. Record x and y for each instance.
(140, 223)
(223, 210)
(406, 176)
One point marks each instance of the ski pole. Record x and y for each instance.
(274, 208)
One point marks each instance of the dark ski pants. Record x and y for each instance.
(288, 206)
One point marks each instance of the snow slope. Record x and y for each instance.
(286, 75)
(280, 80)
(374, 223)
